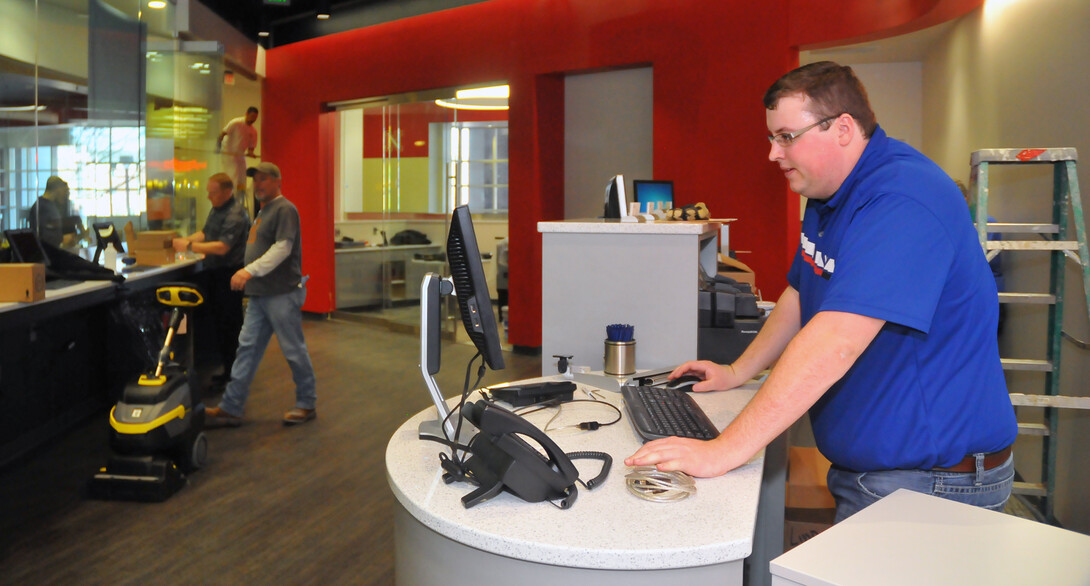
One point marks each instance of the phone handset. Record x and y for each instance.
(501, 422)
(502, 459)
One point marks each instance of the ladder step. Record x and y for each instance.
(1016, 156)
(1058, 401)
(1029, 488)
(1033, 429)
(1032, 245)
(1033, 298)
(1020, 228)
(1027, 364)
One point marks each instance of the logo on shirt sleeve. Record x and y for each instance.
(822, 264)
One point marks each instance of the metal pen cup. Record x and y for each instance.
(620, 358)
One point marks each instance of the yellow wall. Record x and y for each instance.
(412, 194)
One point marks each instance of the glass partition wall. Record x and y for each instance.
(105, 115)
(403, 163)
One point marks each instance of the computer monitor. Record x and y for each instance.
(25, 246)
(645, 191)
(107, 235)
(616, 203)
(467, 282)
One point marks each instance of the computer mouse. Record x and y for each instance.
(684, 382)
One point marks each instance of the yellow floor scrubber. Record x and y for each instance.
(156, 434)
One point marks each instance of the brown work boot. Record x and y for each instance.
(216, 417)
(297, 416)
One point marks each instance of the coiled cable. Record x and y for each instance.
(649, 483)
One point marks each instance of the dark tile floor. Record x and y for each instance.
(274, 504)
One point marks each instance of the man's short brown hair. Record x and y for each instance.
(224, 180)
(833, 89)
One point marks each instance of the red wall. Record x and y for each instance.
(712, 61)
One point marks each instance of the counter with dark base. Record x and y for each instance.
(62, 358)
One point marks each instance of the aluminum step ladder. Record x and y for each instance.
(1056, 240)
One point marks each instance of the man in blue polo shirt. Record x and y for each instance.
(886, 331)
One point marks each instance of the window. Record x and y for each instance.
(477, 158)
(100, 164)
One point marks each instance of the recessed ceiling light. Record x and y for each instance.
(157, 4)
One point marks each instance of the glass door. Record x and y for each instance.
(403, 163)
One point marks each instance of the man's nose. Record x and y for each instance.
(775, 151)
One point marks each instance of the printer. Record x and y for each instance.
(728, 318)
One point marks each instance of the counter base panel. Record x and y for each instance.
(425, 557)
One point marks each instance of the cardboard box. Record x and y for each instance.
(807, 471)
(801, 525)
(810, 507)
(153, 257)
(737, 270)
(22, 282)
(153, 239)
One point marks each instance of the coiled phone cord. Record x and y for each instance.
(652, 484)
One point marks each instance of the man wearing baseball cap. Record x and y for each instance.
(272, 280)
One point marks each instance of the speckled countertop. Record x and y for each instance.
(598, 226)
(606, 528)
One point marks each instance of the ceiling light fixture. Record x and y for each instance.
(157, 4)
(323, 9)
(484, 98)
(496, 91)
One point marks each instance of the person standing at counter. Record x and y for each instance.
(886, 331)
(48, 212)
(222, 241)
(273, 281)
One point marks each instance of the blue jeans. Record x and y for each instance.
(266, 315)
(989, 489)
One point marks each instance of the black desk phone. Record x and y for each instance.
(501, 459)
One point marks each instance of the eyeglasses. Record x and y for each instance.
(788, 138)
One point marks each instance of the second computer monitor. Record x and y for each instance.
(25, 246)
(660, 193)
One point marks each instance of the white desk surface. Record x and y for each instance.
(89, 286)
(57, 294)
(148, 272)
(912, 538)
(606, 528)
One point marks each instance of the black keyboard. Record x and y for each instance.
(657, 412)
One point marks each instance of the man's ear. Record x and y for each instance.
(847, 129)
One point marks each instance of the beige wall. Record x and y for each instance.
(895, 91)
(1013, 75)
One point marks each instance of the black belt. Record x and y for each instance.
(968, 463)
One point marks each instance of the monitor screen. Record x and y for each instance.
(25, 246)
(471, 288)
(660, 193)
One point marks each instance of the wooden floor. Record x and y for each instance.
(308, 504)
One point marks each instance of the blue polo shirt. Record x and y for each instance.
(895, 242)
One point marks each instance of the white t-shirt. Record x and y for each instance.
(241, 137)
